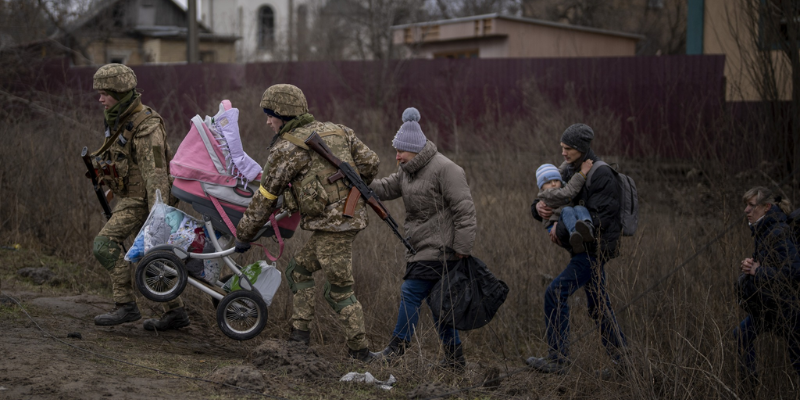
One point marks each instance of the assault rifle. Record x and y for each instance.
(357, 186)
(92, 174)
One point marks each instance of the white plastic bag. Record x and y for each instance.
(213, 267)
(265, 277)
(157, 230)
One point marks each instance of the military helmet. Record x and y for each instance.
(114, 77)
(284, 100)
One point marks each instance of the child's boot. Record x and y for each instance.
(586, 230)
(576, 242)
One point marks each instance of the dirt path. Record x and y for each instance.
(33, 365)
(51, 349)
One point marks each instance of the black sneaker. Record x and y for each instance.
(576, 242)
(548, 365)
(301, 336)
(363, 355)
(586, 229)
(453, 358)
(122, 313)
(172, 319)
(395, 348)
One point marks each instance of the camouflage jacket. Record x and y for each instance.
(290, 161)
(134, 160)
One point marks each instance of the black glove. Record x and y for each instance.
(242, 247)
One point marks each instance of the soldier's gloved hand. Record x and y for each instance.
(242, 247)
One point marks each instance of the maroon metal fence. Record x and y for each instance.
(661, 103)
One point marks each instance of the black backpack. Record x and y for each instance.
(468, 295)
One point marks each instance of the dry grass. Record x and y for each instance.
(680, 333)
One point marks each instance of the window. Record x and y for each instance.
(208, 56)
(266, 27)
(473, 53)
(779, 21)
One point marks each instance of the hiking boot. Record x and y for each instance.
(453, 358)
(122, 313)
(363, 355)
(172, 319)
(297, 335)
(586, 229)
(576, 242)
(396, 348)
(548, 365)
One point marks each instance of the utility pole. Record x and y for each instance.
(291, 30)
(191, 39)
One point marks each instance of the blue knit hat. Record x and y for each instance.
(547, 173)
(410, 136)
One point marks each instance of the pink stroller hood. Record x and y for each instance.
(200, 158)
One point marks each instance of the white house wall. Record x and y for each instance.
(240, 18)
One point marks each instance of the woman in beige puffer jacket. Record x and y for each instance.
(440, 223)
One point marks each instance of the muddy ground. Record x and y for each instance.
(51, 349)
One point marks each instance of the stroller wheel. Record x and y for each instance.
(242, 314)
(161, 276)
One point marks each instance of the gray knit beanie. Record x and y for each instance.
(579, 137)
(410, 136)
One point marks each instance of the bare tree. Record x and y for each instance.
(361, 29)
(766, 37)
(446, 9)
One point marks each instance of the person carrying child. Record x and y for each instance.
(558, 196)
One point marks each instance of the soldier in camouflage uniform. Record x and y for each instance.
(320, 203)
(133, 162)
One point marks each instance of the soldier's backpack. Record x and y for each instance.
(629, 198)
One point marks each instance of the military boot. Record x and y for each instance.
(122, 313)
(172, 319)
(453, 358)
(301, 336)
(396, 348)
(363, 355)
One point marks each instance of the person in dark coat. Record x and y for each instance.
(585, 270)
(769, 282)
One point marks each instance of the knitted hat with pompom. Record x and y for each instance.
(410, 136)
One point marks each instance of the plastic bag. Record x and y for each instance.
(468, 295)
(157, 230)
(265, 277)
(213, 267)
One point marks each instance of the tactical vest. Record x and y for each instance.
(312, 190)
(115, 162)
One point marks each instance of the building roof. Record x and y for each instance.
(175, 32)
(524, 20)
(100, 5)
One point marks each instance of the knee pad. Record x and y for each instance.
(106, 251)
(295, 286)
(340, 305)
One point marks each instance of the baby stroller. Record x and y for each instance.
(215, 176)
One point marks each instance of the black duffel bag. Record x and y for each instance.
(468, 295)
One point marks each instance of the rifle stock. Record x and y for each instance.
(358, 187)
(92, 174)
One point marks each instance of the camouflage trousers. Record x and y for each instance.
(129, 216)
(332, 252)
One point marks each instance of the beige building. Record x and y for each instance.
(500, 36)
(135, 32)
(740, 29)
